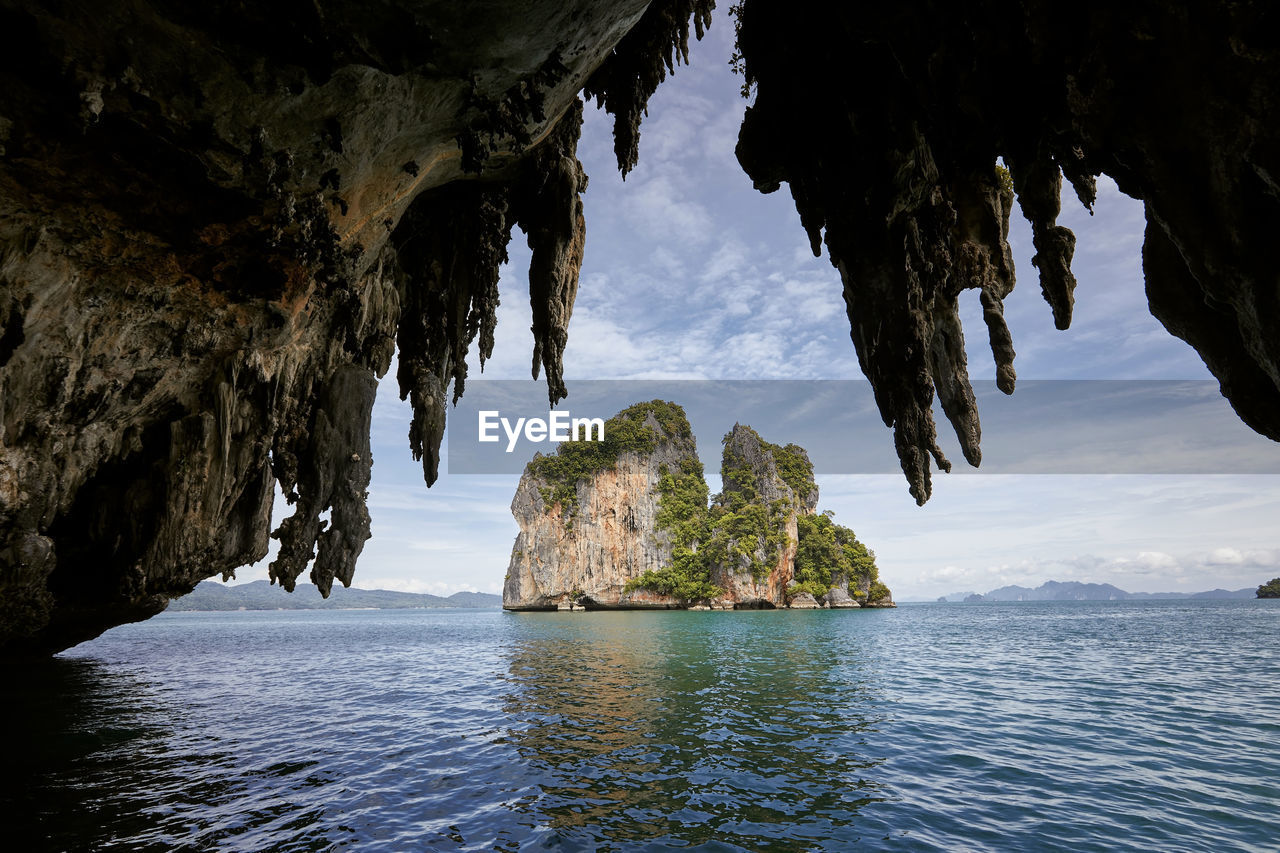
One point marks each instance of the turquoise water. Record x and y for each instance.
(1064, 726)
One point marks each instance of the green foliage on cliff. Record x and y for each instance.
(1270, 589)
(739, 484)
(682, 504)
(1004, 179)
(684, 578)
(737, 62)
(745, 535)
(627, 431)
(682, 513)
(818, 556)
(794, 468)
(826, 551)
(740, 532)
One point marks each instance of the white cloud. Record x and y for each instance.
(663, 213)
(726, 260)
(1226, 556)
(1143, 533)
(441, 588)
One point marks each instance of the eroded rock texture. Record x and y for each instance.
(450, 246)
(585, 555)
(640, 62)
(627, 525)
(886, 121)
(217, 222)
(756, 568)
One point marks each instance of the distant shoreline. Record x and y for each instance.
(211, 597)
(1081, 591)
(323, 609)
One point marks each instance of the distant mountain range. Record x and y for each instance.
(262, 595)
(1077, 591)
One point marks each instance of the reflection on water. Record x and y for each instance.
(99, 758)
(1066, 727)
(749, 729)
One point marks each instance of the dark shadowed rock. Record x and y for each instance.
(217, 223)
(886, 121)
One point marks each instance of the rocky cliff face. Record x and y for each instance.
(583, 551)
(628, 525)
(759, 563)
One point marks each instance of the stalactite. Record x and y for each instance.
(549, 210)
(450, 247)
(640, 62)
(334, 474)
(1038, 183)
(984, 262)
(911, 212)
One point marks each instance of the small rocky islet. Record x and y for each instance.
(627, 523)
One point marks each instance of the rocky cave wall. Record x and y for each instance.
(886, 122)
(218, 221)
(217, 224)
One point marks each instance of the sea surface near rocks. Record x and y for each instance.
(1048, 726)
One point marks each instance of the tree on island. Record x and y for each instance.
(1270, 589)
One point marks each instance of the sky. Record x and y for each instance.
(690, 273)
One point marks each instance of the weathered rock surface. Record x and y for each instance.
(886, 121)
(839, 595)
(629, 532)
(804, 601)
(218, 220)
(760, 567)
(586, 555)
(217, 223)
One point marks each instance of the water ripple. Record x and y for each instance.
(1090, 726)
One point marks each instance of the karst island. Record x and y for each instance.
(626, 523)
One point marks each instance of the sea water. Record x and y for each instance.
(1047, 726)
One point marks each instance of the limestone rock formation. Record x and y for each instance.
(586, 531)
(626, 525)
(766, 488)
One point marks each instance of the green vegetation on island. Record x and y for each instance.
(1270, 589)
(655, 527)
(826, 551)
(627, 431)
(791, 461)
(682, 513)
(747, 535)
(743, 531)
